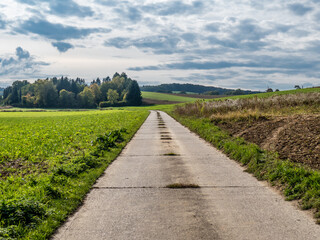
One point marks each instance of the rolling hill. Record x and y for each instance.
(200, 89)
(163, 98)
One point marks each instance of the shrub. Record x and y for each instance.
(109, 140)
(109, 104)
(104, 104)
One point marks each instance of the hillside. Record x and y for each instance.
(151, 98)
(200, 89)
(274, 135)
(286, 123)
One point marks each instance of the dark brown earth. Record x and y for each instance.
(294, 137)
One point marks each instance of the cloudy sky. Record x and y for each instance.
(249, 44)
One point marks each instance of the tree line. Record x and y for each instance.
(69, 93)
(194, 88)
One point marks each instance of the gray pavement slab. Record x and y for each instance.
(131, 201)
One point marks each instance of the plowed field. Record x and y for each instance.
(294, 137)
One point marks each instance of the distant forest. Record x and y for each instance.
(69, 93)
(200, 89)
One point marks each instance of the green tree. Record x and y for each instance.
(120, 83)
(133, 97)
(105, 87)
(211, 93)
(269, 90)
(6, 92)
(97, 93)
(238, 92)
(28, 100)
(63, 83)
(46, 93)
(13, 93)
(107, 79)
(115, 75)
(86, 98)
(66, 99)
(98, 81)
(28, 89)
(75, 88)
(113, 96)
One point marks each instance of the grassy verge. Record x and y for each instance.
(295, 181)
(49, 162)
(274, 105)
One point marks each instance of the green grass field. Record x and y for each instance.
(173, 98)
(166, 97)
(49, 161)
(269, 94)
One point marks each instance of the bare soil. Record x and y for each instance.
(296, 138)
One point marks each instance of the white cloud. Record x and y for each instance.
(150, 34)
(19, 65)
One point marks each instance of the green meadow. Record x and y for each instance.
(49, 161)
(166, 97)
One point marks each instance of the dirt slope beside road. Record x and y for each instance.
(294, 137)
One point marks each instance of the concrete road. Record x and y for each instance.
(131, 201)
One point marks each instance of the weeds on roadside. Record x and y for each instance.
(19, 214)
(308, 102)
(108, 140)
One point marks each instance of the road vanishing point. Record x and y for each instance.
(132, 199)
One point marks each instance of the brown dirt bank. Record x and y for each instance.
(294, 137)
